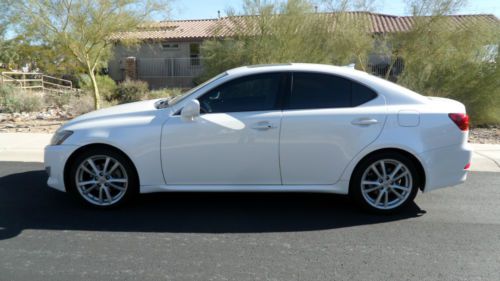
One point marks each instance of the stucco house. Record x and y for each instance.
(168, 54)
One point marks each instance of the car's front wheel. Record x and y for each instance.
(102, 177)
(384, 182)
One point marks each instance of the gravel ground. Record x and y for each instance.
(485, 135)
(49, 120)
(46, 121)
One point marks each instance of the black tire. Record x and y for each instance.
(132, 185)
(362, 198)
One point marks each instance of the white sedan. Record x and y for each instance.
(288, 127)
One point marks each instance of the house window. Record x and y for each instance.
(170, 46)
(194, 53)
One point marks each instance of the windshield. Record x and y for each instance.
(186, 94)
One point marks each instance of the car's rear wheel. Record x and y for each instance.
(384, 182)
(102, 178)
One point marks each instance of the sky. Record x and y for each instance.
(202, 9)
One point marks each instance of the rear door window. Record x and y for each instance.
(319, 90)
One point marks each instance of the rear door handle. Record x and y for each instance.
(364, 121)
(263, 125)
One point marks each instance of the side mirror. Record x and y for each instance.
(191, 110)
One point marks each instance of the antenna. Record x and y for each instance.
(218, 14)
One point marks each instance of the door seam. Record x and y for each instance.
(279, 147)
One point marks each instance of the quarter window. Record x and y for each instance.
(252, 93)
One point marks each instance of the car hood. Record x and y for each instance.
(114, 114)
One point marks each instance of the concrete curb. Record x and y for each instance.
(28, 147)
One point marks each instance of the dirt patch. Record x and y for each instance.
(47, 121)
(489, 135)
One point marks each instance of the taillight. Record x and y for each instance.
(467, 167)
(461, 119)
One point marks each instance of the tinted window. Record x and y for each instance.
(315, 90)
(251, 93)
(361, 94)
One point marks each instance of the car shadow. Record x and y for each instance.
(27, 203)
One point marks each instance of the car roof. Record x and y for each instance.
(292, 67)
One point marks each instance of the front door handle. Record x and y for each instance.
(263, 125)
(364, 121)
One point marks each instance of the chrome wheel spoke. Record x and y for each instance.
(400, 176)
(375, 170)
(105, 168)
(86, 183)
(386, 198)
(396, 170)
(89, 171)
(379, 197)
(382, 164)
(113, 168)
(397, 193)
(373, 188)
(395, 186)
(108, 195)
(370, 182)
(100, 195)
(92, 164)
(89, 189)
(117, 180)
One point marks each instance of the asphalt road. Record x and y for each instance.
(450, 234)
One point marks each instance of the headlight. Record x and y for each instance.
(59, 137)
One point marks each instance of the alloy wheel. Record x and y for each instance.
(101, 180)
(386, 184)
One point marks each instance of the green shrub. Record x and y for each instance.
(15, 100)
(81, 104)
(58, 99)
(106, 86)
(130, 91)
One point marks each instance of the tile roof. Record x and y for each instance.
(206, 28)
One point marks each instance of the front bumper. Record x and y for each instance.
(446, 166)
(55, 157)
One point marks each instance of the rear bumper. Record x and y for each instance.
(445, 166)
(55, 157)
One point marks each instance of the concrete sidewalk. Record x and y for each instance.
(486, 157)
(23, 147)
(28, 147)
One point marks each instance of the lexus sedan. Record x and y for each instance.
(286, 127)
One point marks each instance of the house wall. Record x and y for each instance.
(159, 66)
(166, 67)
